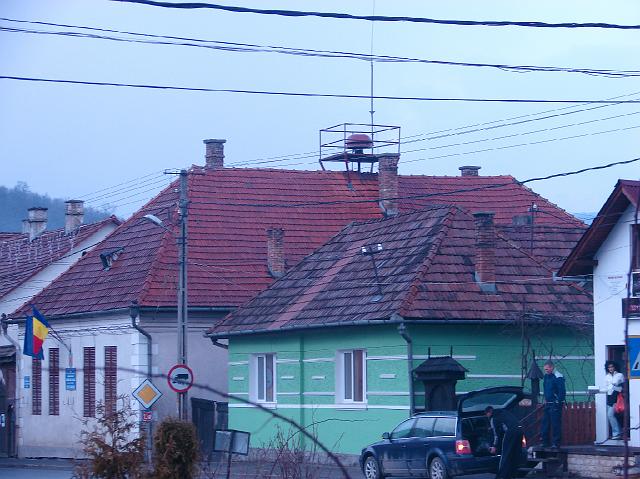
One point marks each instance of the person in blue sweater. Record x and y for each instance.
(554, 396)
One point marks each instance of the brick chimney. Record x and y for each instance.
(73, 215)
(275, 252)
(388, 184)
(37, 221)
(469, 170)
(485, 261)
(214, 154)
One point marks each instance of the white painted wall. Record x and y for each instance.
(58, 436)
(609, 288)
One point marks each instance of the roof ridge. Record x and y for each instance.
(412, 291)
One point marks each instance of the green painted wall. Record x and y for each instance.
(306, 363)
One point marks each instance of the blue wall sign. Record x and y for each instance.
(27, 382)
(70, 379)
(634, 357)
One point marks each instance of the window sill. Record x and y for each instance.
(351, 405)
(268, 405)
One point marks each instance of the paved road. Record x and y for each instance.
(30, 472)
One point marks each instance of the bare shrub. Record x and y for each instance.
(112, 446)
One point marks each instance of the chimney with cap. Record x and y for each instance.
(275, 252)
(214, 154)
(485, 274)
(388, 183)
(73, 215)
(469, 170)
(37, 221)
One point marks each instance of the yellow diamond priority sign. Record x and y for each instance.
(147, 394)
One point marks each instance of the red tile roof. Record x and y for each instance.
(425, 272)
(21, 258)
(551, 244)
(580, 261)
(229, 213)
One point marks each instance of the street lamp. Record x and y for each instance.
(182, 283)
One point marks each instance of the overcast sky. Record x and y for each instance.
(72, 140)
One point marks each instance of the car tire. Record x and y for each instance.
(438, 469)
(371, 468)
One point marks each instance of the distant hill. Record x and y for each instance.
(14, 203)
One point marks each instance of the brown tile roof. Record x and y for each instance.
(580, 261)
(21, 258)
(229, 213)
(425, 271)
(552, 244)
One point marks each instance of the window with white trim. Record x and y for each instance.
(264, 366)
(351, 376)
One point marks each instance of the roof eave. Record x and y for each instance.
(373, 322)
(580, 261)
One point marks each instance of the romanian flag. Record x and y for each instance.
(36, 331)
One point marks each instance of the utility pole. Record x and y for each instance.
(182, 288)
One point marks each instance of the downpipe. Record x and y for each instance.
(137, 327)
(402, 330)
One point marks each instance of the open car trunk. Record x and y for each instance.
(475, 426)
(478, 432)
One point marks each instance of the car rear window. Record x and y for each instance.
(424, 426)
(445, 426)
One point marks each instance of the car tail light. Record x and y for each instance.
(524, 442)
(463, 447)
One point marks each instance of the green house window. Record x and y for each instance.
(265, 377)
(351, 372)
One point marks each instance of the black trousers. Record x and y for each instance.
(552, 419)
(510, 455)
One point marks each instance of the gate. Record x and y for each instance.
(208, 416)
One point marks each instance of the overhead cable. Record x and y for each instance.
(303, 94)
(253, 48)
(380, 18)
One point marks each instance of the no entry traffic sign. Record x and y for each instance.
(180, 378)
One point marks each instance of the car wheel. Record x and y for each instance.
(371, 469)
(438, 469)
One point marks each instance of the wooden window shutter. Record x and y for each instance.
(54, 382)
(89, 404)
(36, 387)
(110, 378)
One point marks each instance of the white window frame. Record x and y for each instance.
(342, 374)
(258, 388)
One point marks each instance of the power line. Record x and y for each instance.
(542, 130)
(302, 94)
(447, 132)
(255, 48)
(518, 145)
(381, 18)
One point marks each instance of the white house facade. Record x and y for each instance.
(609, 250)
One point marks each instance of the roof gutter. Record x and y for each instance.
(164, 309)
(375, 322)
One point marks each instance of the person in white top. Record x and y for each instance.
(613, 386)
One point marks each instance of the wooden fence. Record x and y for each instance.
(578, 424)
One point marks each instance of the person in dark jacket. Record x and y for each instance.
(554, 396)
(507, 439)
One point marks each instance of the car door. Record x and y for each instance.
(395, 453)
(419, 445)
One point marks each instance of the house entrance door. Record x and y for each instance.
(7, 400)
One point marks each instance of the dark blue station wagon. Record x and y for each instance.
(442, 444)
